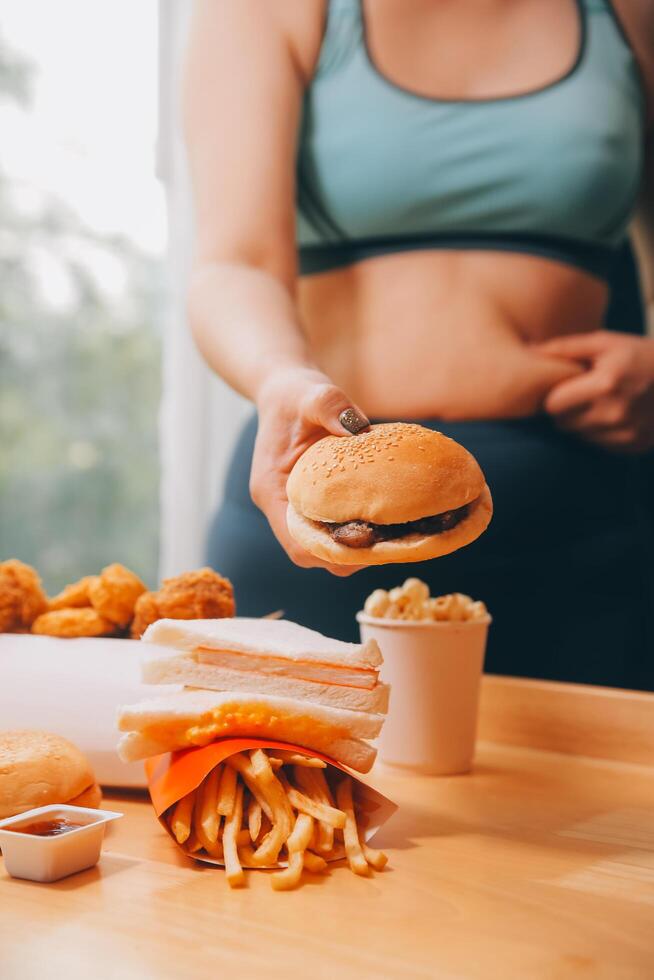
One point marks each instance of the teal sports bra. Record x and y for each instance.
(552, 172)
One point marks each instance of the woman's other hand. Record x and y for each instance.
(612, 402)
(296, 407)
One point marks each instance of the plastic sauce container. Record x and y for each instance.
(51, 842)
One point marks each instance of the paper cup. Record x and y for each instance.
(434, 669)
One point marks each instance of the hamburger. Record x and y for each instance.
(398, 492)
(38, 768)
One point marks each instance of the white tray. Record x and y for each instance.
(72, 688)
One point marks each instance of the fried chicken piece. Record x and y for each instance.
(71, 623)
(73, 596)
(114, 592)
(22, 598)
(203, 594)
(146, 611)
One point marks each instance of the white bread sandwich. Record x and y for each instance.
(397, 492)
(275, 657)
(191, 718)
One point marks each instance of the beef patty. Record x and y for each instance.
(364, 534)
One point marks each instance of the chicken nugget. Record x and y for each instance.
(114, 592)
(73, 596)
(146, 611)
(72, 622)
(22, 598)
(202, 594)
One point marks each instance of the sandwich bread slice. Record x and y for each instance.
(277, 657)
(194, 671)
(196, 717)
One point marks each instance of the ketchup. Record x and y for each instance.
(47, 828)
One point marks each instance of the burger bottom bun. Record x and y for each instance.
(91, 797)
(414, 547)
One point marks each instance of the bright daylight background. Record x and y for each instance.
(82, 242)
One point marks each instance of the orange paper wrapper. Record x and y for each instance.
(174, 774)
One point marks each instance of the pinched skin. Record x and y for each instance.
(22, 598)
(203, 594)
(113, 593)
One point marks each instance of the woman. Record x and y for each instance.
(462, 172)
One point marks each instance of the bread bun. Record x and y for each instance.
(38, 768)
(91, 797)
(412, 547)
(393, 473)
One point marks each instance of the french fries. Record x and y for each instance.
(296, 844)
(227, 792)
(276, 809)
(295, 759)
(313, 783)
(355, 856)
(254, 818)
(208, 819)
(180, 821)
(233, 869)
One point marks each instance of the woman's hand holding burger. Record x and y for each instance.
(612, 402)
(296, 407)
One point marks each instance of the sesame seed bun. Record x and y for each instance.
(38, 768)
(392, 474)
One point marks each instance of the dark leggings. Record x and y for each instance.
(566, 566)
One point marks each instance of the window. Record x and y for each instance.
(82, 240)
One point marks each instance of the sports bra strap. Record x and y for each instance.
(342, 36)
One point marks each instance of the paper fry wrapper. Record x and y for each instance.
(173, 775)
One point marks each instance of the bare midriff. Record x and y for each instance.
(447, 334)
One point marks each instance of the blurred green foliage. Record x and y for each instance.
(79, 387)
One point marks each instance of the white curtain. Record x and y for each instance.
(200, 415)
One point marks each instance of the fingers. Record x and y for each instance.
(276, 514)
(579, 391)
(579, 346)
(328, 407)
(606, 413)
(287, 427)
(268, 491)
(624, 439)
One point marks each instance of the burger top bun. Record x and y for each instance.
(37, 768)
(393, 473)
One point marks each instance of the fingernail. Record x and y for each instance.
(352, 421)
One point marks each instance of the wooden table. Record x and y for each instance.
(538, 865)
